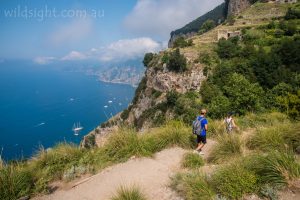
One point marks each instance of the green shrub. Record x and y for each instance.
(125, 114)
(90, 141)
(15, 182)
(275, 168)
(206, 26)
(268, 192)
(228, 146)
(192, 186)
(192, 161)
(177, 62)
(147, 59)
(142, 86)
(292, 14)
(131, 193)
(234, 181)
(181, 43)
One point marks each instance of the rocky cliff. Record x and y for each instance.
(237, 6)
(151, 95)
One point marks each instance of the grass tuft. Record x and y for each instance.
(277, 137)
(15, 182)
(51, 164)
(192, 186)
(192, 161)
(234, 181)
(258, 120)
(275, 168)
(228, 146)
(131, 193)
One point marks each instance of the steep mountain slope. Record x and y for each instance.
(218, 15)
(153, 100)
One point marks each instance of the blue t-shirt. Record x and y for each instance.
(203, 123)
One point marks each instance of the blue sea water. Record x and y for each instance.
(40, 104)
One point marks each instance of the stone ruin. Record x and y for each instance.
(228, 34)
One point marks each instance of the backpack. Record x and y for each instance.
(197, 129)
(228, 123)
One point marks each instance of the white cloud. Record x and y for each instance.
(120, 50)
(43, 60)
(129, 48)
(71, 32)
(74, 55)
(160, 17)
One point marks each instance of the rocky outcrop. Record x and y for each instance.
(237, 6)
(175, 37)
(164, 81)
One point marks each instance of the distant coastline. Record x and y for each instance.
(118, 82)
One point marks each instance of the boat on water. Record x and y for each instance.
(77, 128)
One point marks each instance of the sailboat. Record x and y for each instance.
(77, 128)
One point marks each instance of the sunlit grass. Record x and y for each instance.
(129, 193)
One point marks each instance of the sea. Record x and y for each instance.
(39, 105)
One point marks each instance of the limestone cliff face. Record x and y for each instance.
(237, 6)
(161, 82)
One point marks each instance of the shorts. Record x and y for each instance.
(201, 138)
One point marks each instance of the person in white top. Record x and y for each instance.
(229, 122)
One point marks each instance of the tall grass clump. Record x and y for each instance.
(51, 164)
(267, 138)
(276, 168)
(292, 137)
(257, 120)
(124, 144)
(15, 182)
(228, 146)
(129, 193)
(233, 181)
(174, 133)
(192, 186)
(192, 161)
(278, 137)
(216, 128)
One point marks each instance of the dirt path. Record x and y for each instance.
(152, 175)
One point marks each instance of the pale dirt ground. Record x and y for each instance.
(151, 175)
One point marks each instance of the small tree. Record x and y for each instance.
(147, 59)
(207, 25)
(227, 48)
(177, 62)
(181, 42)
(243, 95)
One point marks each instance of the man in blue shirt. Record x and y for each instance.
(201, 139)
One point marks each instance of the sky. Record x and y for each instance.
(103, 30)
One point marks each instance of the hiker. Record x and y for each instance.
(199, 129)
(229, 122)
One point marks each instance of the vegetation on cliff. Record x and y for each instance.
(252, 75)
